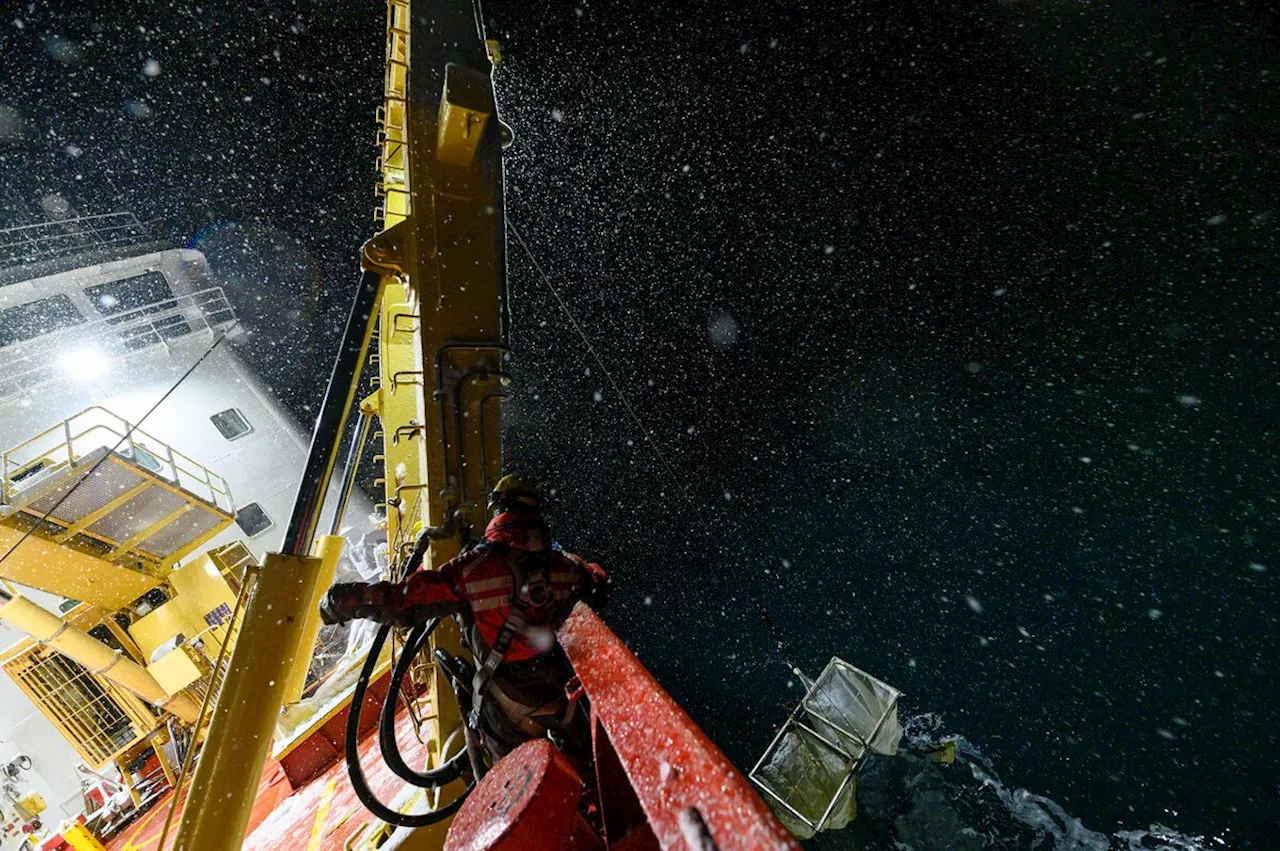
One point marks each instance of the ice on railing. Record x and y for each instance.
(70, 442)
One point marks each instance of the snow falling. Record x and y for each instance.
(946, 333)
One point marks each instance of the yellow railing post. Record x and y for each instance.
(239, 738)
(328, 549)
(126, 775)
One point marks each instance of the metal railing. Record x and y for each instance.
(228, 559)
(209, 687)
(65, 444)
(49, 240)
(392, 189)
(99, 718)
(32, 363)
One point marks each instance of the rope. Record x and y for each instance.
(783, 653)
(607, 374)
(126, 436)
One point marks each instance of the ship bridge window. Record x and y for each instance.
(130, 299)
(252, 520)
(30, 320)
(231, 423)
(149, 290)
(145, 459)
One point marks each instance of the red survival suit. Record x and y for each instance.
(513, 589)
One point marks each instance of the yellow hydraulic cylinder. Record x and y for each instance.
(226, 777)
(51, 630)
(328, 549)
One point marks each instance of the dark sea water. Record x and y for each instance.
(958, 330)
(952, 327)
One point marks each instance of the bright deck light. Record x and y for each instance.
(84, 364)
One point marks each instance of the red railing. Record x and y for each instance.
(655, 767)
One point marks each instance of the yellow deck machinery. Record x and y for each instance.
(432, 295)
(106, 516)
(97, 511)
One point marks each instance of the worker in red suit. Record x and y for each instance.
(511, 590)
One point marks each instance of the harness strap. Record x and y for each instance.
(514, 624)
(556, 714)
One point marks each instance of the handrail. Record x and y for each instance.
(182, 468)
(131, 217)
(206, 309)
(202, 301)
(49, 239)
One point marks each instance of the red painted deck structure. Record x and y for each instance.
(663, 783)
(319, 816)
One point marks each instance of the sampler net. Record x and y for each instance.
(807, 773)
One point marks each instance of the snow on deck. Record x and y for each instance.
(317, 817)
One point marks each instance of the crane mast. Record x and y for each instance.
(430, 318)
(441, 262)
(442, 334)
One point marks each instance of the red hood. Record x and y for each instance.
(520, 530)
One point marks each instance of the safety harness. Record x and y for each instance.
(530, 588)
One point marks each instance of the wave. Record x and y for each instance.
(968, 806)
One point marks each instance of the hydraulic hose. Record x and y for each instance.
(358, 781)
(430, 779)
(460, 674)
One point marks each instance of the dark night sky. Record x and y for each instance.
(990, 408)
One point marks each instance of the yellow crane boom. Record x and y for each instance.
(432, 289)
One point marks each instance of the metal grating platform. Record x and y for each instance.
(194, 525)
(108, 482)
(95, 476)
(141, 512)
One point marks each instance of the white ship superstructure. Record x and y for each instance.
(96, 326)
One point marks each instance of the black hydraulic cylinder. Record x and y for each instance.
(331, 422)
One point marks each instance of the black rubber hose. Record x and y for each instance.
(430, 779)
(356, 773)
(460, 676)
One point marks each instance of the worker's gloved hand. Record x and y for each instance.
(343, 602)
(381, 602)
(597, 597)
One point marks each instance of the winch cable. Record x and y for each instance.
(356, 774)
(757, 603)
(648, 436)
(128, 435)
(418, 637)
(452, 768)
